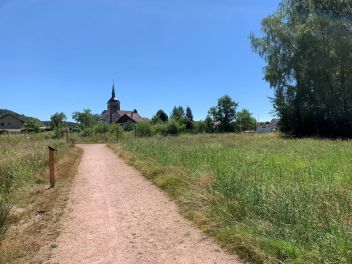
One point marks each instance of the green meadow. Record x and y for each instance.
(29, 211)
(267, 198)
(23, 158)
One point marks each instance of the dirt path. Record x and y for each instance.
(116, 216)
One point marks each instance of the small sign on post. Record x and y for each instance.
(52, 166)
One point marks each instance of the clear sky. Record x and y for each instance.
(61, 55)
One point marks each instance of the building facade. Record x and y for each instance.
(114, 114)
(11, 123)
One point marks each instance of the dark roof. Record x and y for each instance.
(135, 117)
(9, 114)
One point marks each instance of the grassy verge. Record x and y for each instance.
(269, 199)
(32, 223)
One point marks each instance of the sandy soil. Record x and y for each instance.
(117, 216)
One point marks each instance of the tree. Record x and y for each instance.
(160, 117)
(178, 114)
(245, 121)
(224, 113)
(57, 123)
(86, 118)
(307, 46)
(32, 125)
(189, 119)
(209, 125)
(57, 120)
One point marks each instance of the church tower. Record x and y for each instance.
(113, 105)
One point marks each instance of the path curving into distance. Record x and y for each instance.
(117, 216)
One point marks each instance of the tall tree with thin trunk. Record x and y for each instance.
(307, 45)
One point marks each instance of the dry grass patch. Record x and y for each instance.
(33, 221)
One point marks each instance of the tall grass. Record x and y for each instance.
(268, 198)
(22, 159)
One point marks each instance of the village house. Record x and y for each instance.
(11, 123)
(268, 127)
(114, 114)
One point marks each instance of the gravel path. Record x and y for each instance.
(117, 216)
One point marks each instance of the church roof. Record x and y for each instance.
(135, 117)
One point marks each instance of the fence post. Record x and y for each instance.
(67, 138)
(52, 166)
(117, 136)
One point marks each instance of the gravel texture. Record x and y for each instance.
(117, 216)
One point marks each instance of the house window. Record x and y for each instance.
(2, 123)
(8, 123)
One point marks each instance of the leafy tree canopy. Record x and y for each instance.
(224, 113)
(178, 114)
(57, 120)
(245, 121)
(85, 118)
(189, 119)
(307, 46)
(160, 117)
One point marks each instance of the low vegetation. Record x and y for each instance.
(269, 199)
(29, 211)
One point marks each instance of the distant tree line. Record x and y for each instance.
(222, 118)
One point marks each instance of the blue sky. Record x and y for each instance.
(61, 55)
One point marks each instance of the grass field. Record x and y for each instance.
(29, 212)
(269, 199)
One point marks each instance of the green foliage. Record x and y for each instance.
(32, 125)
(144, 129)
(308, 51)
(245, 121)
(209, 125)
(224, 114)
(87, 132)
(199, 127)
(172, 128)
(57, 120)
(189, 119)
(57, 123)
(102, 128)
(178, 114)
(272, 199)
(160, 117)
(128, 126)
(86, 119)
(160, 129)
(21, 160)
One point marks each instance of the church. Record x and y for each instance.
(114, 114)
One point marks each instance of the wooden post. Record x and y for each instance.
(117, 136)
(67, 138)
(52, 166)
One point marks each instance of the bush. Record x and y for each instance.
(128, 126)
(101, 128)
(160, 129)
(144, 129)
(172, 128)
(87, 132)
(200, 127)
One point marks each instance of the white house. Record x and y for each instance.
(268, 127)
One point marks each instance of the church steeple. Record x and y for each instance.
(113, 91)
(113, 105)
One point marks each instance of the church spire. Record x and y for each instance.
(113, 91)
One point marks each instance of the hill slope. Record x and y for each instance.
(24, 117)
